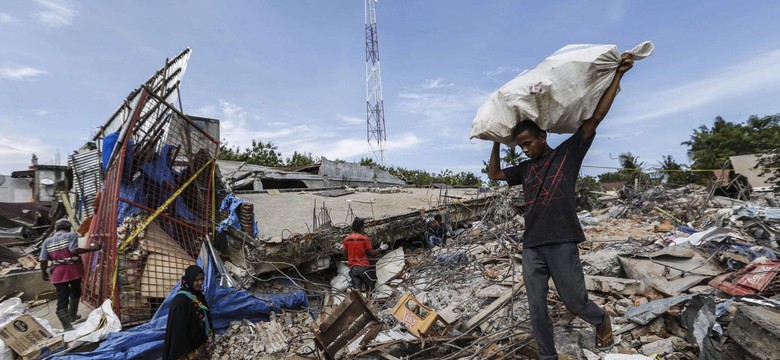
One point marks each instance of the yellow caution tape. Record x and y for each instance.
(151, 218)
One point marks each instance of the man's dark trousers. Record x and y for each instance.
(562, 263)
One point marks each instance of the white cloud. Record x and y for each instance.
(406, 140)
(17, 149)
(501, 70)
(19, 72)
(43, 112)
(442, 107)
(437, 83)
(6, 19)
(239, 127)
(55, 13)
(739, 79)
(351, 120)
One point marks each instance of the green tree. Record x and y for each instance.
(710, 147)
(258, 154)
(484, 170)
(424, 178)
(368, 161)
(630, 163)
(512, 157)
(630, 168)
(672, 172)
(301, 159)
(771, 163)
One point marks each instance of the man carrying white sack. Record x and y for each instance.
(552, 229)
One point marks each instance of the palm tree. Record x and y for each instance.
(629, 162)
(512, 157)
(671, 171)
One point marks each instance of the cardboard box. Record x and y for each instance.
(29, 339)
(44, 349)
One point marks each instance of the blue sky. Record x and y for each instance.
(292, 72)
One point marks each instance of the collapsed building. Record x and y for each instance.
(684, 273)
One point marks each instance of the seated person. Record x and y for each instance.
(435, 231)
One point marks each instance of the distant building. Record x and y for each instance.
(15, 190)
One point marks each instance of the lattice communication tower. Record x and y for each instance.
(375, 108)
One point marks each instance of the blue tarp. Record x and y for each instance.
(153, 187)
(227, 304)
(231, 203)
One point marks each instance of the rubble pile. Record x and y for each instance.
(668, 265)
(289, 334)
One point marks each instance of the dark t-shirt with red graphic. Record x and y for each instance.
(548, 189)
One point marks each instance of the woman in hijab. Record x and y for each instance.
(189, 323)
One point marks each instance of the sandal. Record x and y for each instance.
(604, 338)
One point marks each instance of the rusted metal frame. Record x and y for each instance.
(112, 220)
(189, 122)
(180, 222)
(104, 207)
(125, 106)
(152, 134)
(187, 118)
(107, 221)
(162, 73)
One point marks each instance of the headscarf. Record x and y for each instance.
(199, 303)
(188, 279)
(188, 310)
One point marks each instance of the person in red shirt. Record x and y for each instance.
(63, 253)
(357, 248)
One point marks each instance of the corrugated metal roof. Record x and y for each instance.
(87, 178)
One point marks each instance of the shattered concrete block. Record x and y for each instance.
(664, 346)
(613, 285)
(601, 263)
(757, 330)
(492, 291)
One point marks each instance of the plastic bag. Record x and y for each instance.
(558, 94)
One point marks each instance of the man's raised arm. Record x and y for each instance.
(602, 108)
(494, 167)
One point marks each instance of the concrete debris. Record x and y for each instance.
(670, 266)
(245, 340)
(757, 330)
(617, 286)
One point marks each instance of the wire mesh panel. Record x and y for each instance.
(155, 208)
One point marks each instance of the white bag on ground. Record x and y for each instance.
(558, 94)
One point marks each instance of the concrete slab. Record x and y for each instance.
(30, 282)
(757, 330)
(294, 212)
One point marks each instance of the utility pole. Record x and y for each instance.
(375, 108)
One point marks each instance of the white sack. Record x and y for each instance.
(558, 94)
(99, 324)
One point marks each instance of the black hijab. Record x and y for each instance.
(189, 324)
(188, 279)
